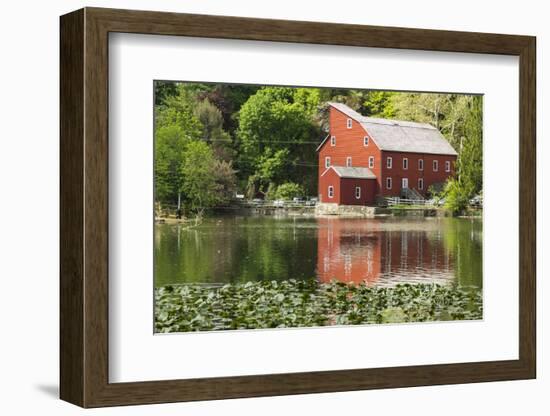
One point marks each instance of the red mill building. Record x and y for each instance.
(363, 158)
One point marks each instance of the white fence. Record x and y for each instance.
(277, 204)
(404, 201)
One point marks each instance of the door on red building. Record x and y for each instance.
(404, 183)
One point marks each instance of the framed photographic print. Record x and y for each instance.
(256, 207)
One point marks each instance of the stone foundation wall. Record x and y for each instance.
(345, 210)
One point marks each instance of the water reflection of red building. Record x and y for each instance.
(354, 251)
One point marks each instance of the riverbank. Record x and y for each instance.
(419, 211)
(172, 220)
(292, 303)
(329, 209)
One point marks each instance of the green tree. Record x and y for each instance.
(470, 161)
(226, 181)
(175, 127)
(210, 118)
(272, 165)
(170, 142)
(275, 119)
(222, 145)
(198, 185)
(206, 182)
(272, 118)
(212, 121)
(180, 114)
(469, 165)
(289, 190)
(271, 168)
(378, 104)
(446, 112)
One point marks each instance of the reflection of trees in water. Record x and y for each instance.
(465, 239)
(232, 249)
(236, 249)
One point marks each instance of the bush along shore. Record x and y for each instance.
(291, 303)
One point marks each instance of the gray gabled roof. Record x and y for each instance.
(350, 172)
(400, 136)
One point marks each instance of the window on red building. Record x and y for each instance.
(435, 165)
(331, 191)
(371, 162)
(389, 162)
(420, 164)
(357, 192)
(327, 162)
(348, 161)
(405, 163)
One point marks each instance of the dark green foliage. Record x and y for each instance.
(291, 303)
(228, 99)
(164, 89)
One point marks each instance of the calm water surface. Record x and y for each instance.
(381, 251)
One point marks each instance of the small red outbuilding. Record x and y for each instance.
(347, 186)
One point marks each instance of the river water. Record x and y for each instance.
(380, 251)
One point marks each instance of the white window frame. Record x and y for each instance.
(420, 183)
(366, 141)
(349, 123)
(333, 140)
(403, 180)
(371, 162)
(389, 182)
(389, 162)
(330, 191)
(405, 163)
(435, 165)
(357, 192)
(327, 162)
(447, 166)
(420, 164)
(348, 161)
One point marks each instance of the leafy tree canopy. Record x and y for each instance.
(206, 182)
(277, 118)
(287, 191)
